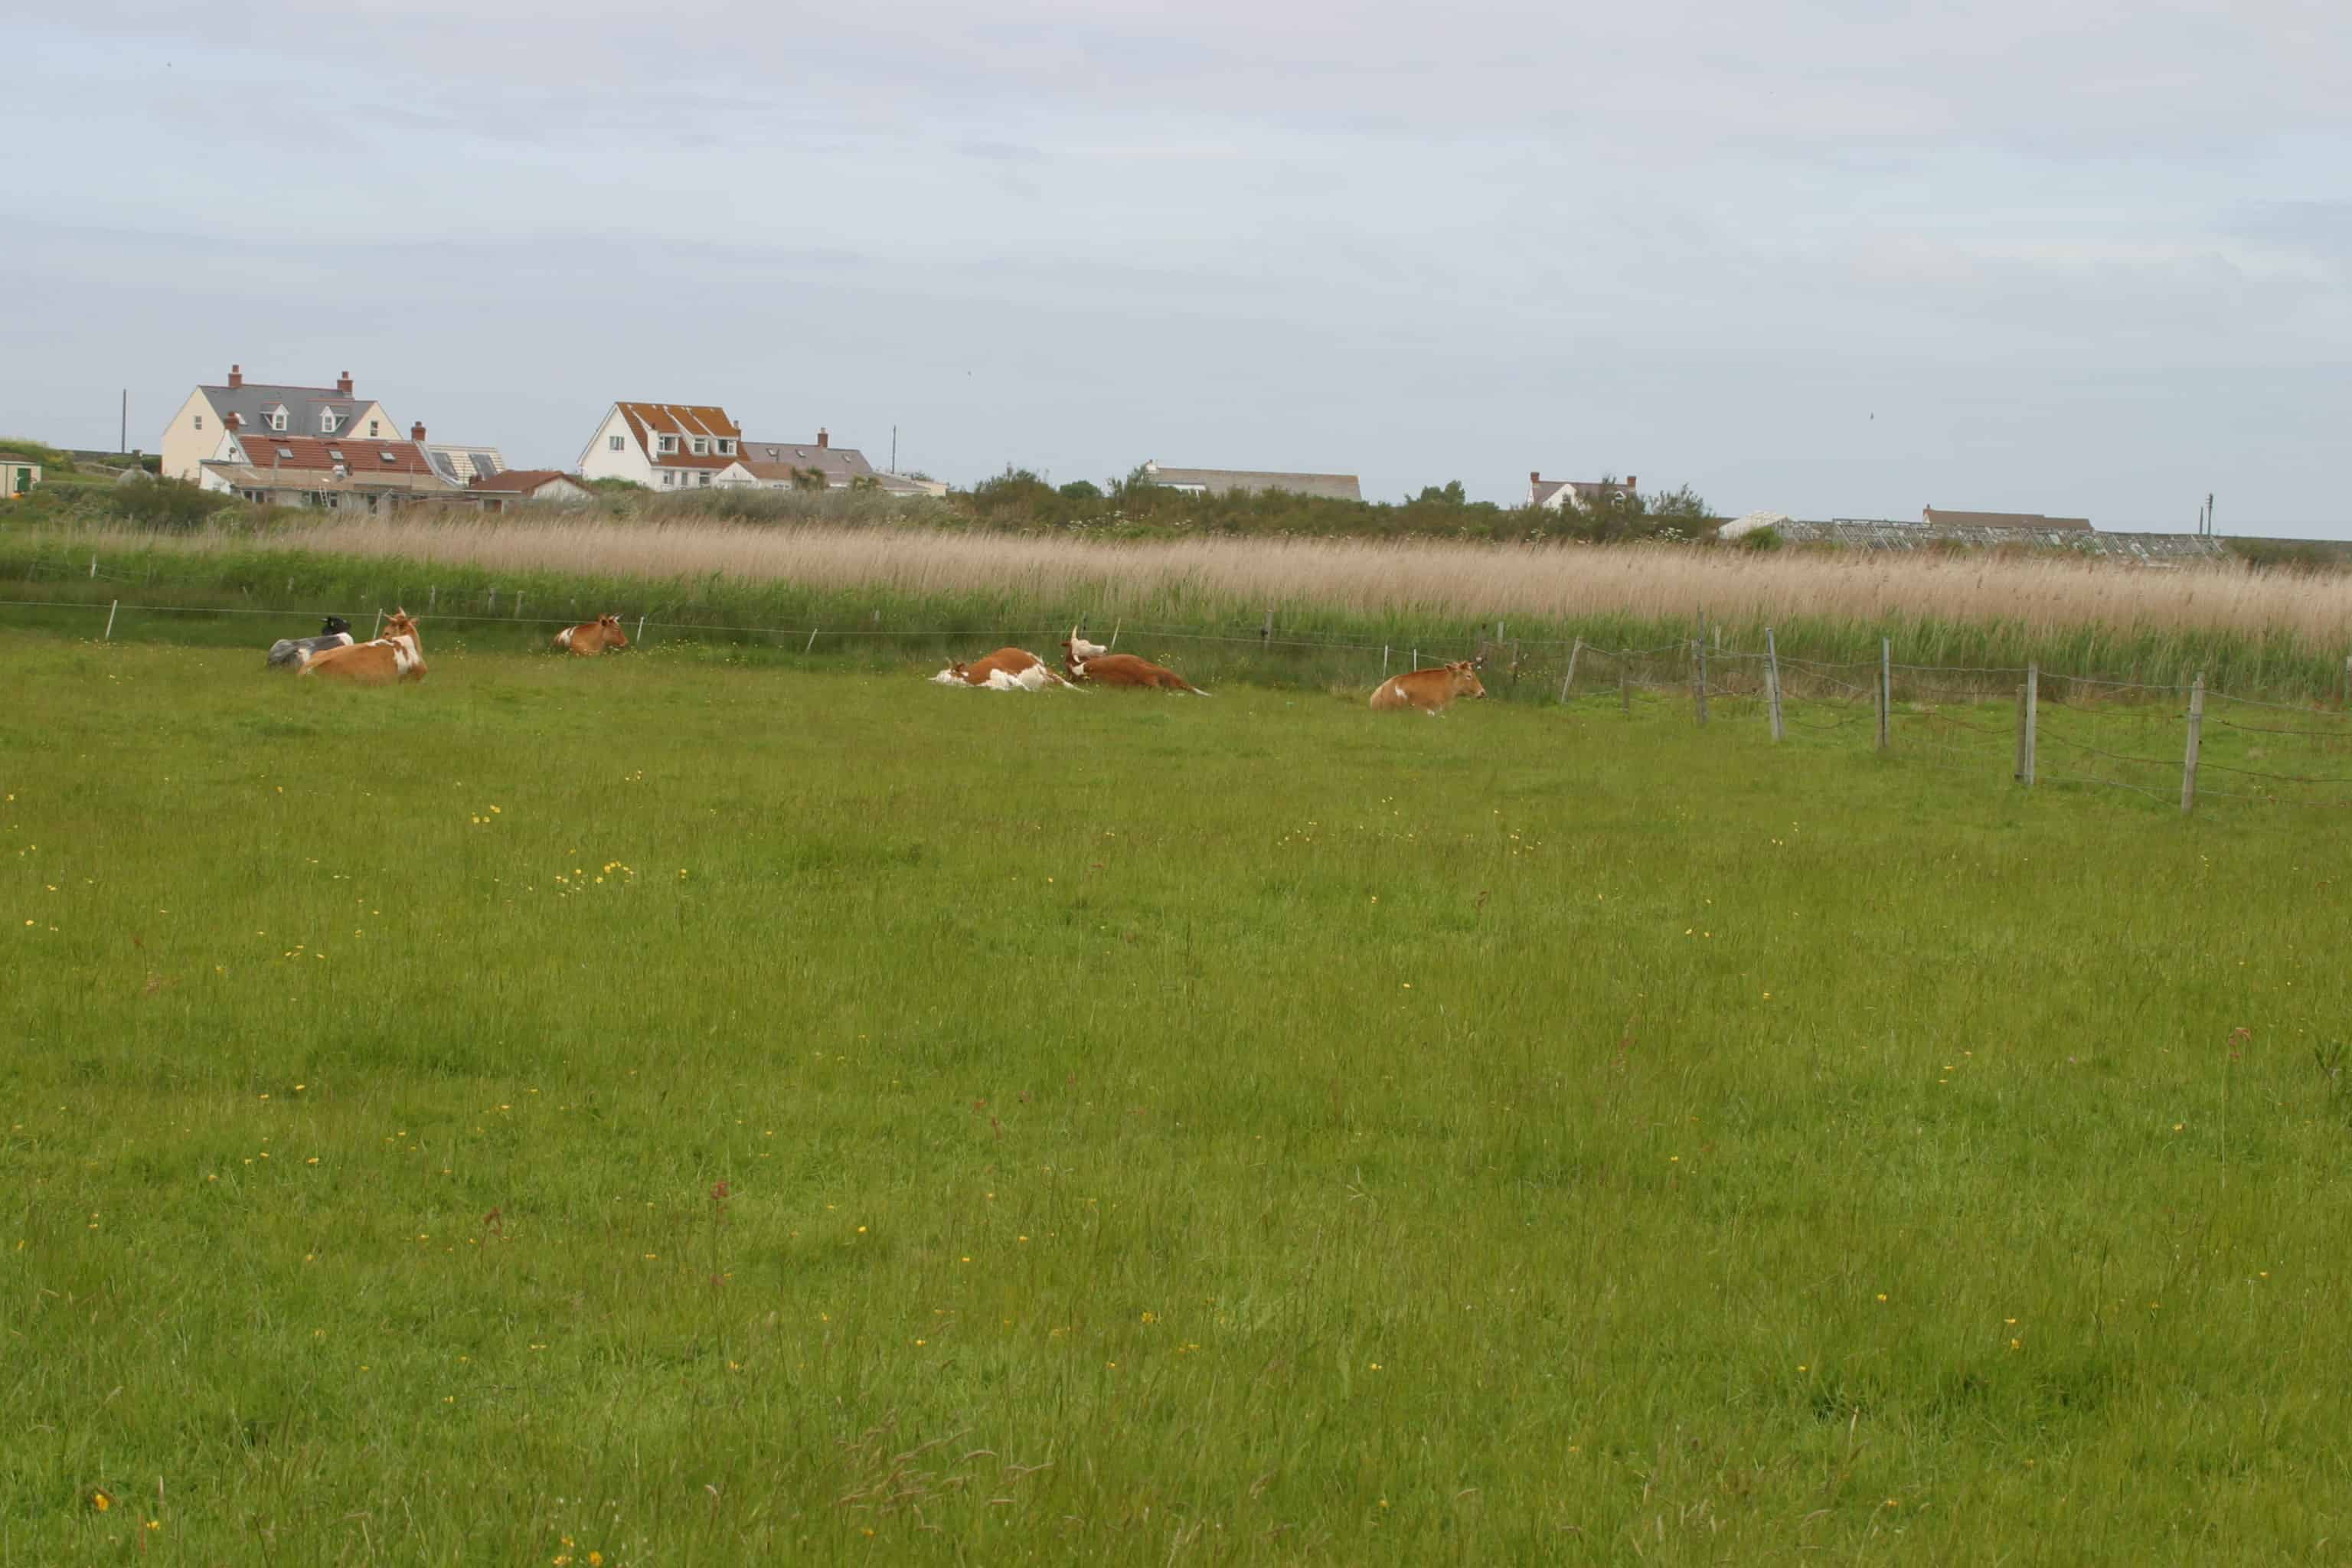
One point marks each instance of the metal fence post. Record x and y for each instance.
(1772, 684)
(1625, 688)
(1570, 679)
(2196, 730)
(1698, 678)
(108, 635)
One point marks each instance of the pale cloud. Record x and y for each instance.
(1822, 256)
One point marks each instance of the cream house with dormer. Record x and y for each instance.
(196, 433)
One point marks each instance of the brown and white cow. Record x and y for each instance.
(395, 655)
(593, 638)
(1006, 670)
(1125, 670)
(1430, 689)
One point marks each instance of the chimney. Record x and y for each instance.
(416, 432)
(821, 439)
(1629, 484)
(236, 377)
(343, 384)
(231, 419)
(1535, 476)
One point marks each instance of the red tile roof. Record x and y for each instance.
(523, 481)
(267, 449)
(685, 421)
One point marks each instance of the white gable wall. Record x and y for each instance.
(600, 460)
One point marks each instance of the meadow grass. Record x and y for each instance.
(2276, 633)
(685, 1113)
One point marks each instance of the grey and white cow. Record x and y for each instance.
(294, 653)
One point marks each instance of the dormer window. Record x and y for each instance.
(726, 447)
(700, 446)
(329, 422)
(666, 445)
(277, 419)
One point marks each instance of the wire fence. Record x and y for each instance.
(2180, 744)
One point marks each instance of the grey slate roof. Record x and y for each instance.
(252, 402)
(839, 465)
(1250, 481)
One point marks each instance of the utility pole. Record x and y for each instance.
(894, 448)
(122, 443)
(2209, 512)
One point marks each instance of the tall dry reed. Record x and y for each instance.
(1379, 580)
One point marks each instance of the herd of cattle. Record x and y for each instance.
(396, 654)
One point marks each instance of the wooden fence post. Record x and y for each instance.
(517, 611)
(2196, 730)
(2018, 773)
(1885, 692)
(812, 643)
(93, 572)
(379, 626)
(1625, 688)
(1569, 680)
(1698, 678)
(1416, 658)
(2033, 720)
(1384, 661)
(431, 595)
(109, 636)
(1266, 632)
(1772, 684)
(641, 630)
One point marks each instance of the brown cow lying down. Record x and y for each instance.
(395, 655)
(593, 638)
(1125, 670)
(1006, 670)
(1430, 689)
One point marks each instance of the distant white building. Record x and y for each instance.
(666, 447)
(1253, 481)
(1577, 495)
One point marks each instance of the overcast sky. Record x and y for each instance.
(2081, 256)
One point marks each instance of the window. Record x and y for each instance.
(726, 448)
(386, 454)
(285, 451)
(329, 422)
(705, 478)
(616, 443)
(277, 419)
(666, 444)
(701, 446)
(371, 430)
(199, 421)
(336, 453)
(668, 478)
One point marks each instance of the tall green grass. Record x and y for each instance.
(687, 1113)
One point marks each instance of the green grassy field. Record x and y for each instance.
(656, 1112)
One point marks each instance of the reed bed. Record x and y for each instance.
(2276, 632)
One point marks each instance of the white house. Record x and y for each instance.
(195, 433)
(1577, 495)
(19, 475)
(666, 447)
